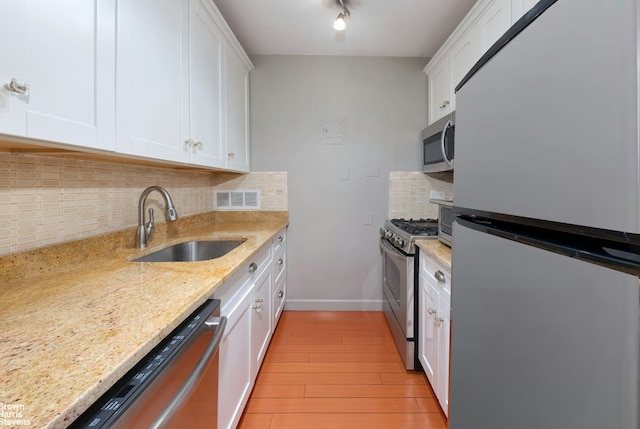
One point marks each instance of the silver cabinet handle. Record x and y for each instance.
(439, 275)
(258, 306)
(444, 104)
(17, 86)
(194, 143)
(252, 268)
(280, 294)
(280, 239)
(279, 261)
(218, 325)
(438, 321)
(231, 154)
(431, 311)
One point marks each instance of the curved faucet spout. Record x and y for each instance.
(143, 233)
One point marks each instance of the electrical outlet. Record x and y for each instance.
(437, 195)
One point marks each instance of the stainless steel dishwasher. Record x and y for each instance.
(174, 386)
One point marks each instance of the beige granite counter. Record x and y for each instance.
(76, 317)
(437, 249)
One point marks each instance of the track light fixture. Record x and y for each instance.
(340, 22)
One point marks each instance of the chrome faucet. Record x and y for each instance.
(143, 233)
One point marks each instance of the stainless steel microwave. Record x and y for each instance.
(438, 145)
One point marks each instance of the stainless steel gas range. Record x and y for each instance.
(399, 280)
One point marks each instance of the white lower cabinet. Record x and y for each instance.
(434, 301)
(261, 320)
(235, 379)
(250, 299)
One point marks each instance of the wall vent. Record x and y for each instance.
(237, 200)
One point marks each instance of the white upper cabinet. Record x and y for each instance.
(152, 78)
(520, 7)
(485, 23)
(61, 57)
(440, 90)
(464, 54)
(493, 22)
(206, 47)
(237, 109)
(177, 85)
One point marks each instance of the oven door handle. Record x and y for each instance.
(386, 246)
(213, 323)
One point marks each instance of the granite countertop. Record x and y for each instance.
(441, 252)
(75, 317)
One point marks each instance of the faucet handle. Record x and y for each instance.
(151, 224)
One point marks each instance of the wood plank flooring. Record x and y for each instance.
(338, 370)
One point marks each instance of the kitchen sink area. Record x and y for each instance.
(192, 251)
(77, 316)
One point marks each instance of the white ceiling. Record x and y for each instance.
(403, 28)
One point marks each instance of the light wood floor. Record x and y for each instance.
(338, 370)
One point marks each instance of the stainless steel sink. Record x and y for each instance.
(192, 251)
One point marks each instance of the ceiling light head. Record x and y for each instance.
(340, 24)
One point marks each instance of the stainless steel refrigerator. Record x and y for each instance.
(546, 243)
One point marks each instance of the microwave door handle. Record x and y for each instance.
(443, 139)
(213, 323)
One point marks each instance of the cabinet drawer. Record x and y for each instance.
(280, 240)
(279, 298)
(262, 260)
(231, 289)
(279, 262)
(437, 273)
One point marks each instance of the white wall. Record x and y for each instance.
(334, 261)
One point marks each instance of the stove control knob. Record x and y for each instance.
(382, 231)
(399, 242)
(389, 234)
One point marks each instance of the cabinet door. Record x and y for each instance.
(493, 23)
(205, 88)
(444, 329)
(428, 343)
(464, 54)
(440, 90)
(237, 111)
(66, 56)
(235, 380)
(261, 314)
(13, 117)
(152, 85)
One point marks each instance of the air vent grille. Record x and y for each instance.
(237, 200)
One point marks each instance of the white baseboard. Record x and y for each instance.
(333, 305)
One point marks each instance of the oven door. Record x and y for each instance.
(397, 285)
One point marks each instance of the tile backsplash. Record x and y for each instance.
(47, 200)
(409, 193)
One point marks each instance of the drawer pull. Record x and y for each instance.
(439, 275)
(280, 239)
(431, 311)
(280, 261)
(253, 268)
(280, 294)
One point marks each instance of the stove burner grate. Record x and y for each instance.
(417, 226)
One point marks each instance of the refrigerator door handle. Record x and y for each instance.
(616, 255)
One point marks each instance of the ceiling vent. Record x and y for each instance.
(237, 200)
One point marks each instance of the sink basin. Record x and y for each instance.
(192, 251)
